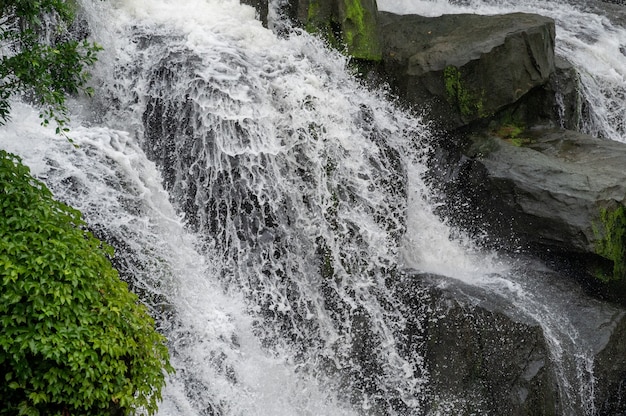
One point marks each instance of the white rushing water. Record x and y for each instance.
(262, 202)
(288, 178)
(211, 335)
(591, 41)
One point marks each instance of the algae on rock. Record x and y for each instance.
(611, 241)
(348, 25)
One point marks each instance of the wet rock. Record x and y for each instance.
(555, 192)
(558, 103)
(486, 355)
(479, 360)
(348, 25)
(466, 67)
(610, 366)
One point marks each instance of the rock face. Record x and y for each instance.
(485, 358)
(611, 364)
(349, 25)
(554, 191)
(466, 67)
(479, 360)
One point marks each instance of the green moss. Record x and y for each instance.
(313, 11)
(360, 32)
(353, 31)
(320, 22)
(611, 242)
(470, 104)
(511, 133)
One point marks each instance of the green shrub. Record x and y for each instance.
(45, 67)
(73, 339)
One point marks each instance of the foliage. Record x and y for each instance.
(43, 66)
(74, 340)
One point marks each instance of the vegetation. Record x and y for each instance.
(352, 29)
(511, 132)
(360, 32)
(74, 340)
(43, 65)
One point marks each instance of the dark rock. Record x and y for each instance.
(466, 67)
(348, 25)
(484, 355)
(547, 191)
(610, 366)
(495, 366)
(479, 360)
(558, 103)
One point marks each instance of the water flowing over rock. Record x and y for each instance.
(483, 357)
(273, 212)
(466, 67)
(348, 25)
(480, 360)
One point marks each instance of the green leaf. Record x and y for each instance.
(73, 336)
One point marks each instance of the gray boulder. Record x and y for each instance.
(547, 191)
(466, 67)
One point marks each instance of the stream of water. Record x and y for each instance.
(261, 202)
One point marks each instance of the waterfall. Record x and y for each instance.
(265, 205)
(265, 232)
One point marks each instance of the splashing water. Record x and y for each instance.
(263, 204)
(290, 176)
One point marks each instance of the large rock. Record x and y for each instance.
(466, 67)
(484, 354)
(548, 191)
(481, 361)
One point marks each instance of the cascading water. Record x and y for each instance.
(264, 205)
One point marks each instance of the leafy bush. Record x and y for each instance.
(73, 339)
(39, 58)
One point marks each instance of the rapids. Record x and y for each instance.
(262, 201)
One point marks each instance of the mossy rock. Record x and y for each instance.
(611, 243)
(347, 25)
(470, 103)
